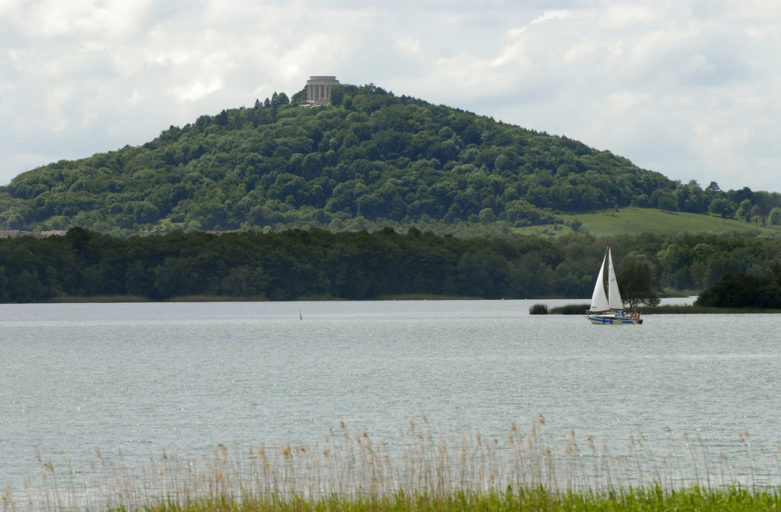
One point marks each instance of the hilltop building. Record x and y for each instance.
(318, 90)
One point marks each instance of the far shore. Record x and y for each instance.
(575, 308)
(694, 309)
(68, 299)
(683, 309)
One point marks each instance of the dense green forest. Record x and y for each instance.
(761, 290)
(315, 263)
(371, 160)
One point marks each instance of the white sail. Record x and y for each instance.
(613, 295)
(608, 308)
(599, 299)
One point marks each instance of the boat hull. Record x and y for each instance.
(614, 320)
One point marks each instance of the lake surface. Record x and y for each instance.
(182, 377)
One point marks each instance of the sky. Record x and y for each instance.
(687, 88)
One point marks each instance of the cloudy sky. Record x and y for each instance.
(689, 88)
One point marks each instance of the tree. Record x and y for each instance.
(744, 291)
(723, 207)
(635, 275)
(279, 99)
(775, 217)
(666, 201)
(744, 210)
(222, 118)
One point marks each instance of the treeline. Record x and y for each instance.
(371, 159)
(297, 264)
(745, 291)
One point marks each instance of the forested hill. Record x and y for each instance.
(370, 160)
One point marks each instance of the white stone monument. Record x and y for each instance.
(318, 90)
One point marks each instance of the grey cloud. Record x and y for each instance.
(682, 69)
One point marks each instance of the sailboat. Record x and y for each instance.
(608, 308)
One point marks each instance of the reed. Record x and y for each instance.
(423, 470)
(571, 309)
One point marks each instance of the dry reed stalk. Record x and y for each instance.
(353, 465)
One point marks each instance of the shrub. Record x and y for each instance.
(571, 309)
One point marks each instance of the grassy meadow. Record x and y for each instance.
(352, 471)
(635, 221)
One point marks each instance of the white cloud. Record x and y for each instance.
(630, 16)
(687, 88)
(136, 97)
(48, 19)
(196, 90)
(560, 14)
(410, 45)
(623, 101)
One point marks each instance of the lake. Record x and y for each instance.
(145, 378)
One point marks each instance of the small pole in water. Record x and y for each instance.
(299, 315)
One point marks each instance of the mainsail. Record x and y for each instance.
(613, 295)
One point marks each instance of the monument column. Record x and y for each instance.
(318, 90)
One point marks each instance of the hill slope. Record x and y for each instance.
(372, 159)
(634, 221)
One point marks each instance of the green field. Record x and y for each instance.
(634, 221)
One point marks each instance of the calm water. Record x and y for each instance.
(142, 378)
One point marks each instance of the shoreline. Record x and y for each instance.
(575, 308)
(579, 309)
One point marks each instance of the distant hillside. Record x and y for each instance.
(370, 160)
(635, 221)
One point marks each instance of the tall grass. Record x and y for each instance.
(424, 470)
